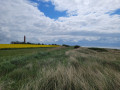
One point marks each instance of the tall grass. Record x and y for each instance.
(70, 78)
(63, 69)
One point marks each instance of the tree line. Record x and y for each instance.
(18, 42)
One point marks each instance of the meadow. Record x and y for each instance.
(8, 46)
(60, 68)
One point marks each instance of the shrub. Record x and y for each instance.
(65, 45)
(76, 46)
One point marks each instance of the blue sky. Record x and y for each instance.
(49, 9)
(82, 22)
(116, 12)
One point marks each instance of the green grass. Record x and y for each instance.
(62, 68)
(99, 49)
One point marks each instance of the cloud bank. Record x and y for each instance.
(86, 21)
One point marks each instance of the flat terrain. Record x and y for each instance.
(60, 68)
(8, 46)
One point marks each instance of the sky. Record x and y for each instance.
(74, 22)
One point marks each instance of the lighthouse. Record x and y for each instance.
(24, 39)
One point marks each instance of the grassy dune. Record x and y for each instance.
(61, 68)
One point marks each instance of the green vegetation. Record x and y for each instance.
(61, 68)
(76, 46)
(99, 49)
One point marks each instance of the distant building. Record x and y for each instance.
(18, 42)
(24, 39)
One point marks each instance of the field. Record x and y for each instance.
(60, 68)
(6, 46)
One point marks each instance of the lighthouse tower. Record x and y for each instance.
(24, 39)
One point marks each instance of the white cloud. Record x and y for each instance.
(19, 17)
(22, 17)
(67, 38)
(90, 15)
(86, 6)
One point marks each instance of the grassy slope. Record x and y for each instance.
(60, 69)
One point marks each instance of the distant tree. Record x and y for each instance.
(28, 43)
(39, 44)
(76, 46)
(12, 42)
(17, 42)
(54, 44)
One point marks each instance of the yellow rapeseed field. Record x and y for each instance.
(24, 46)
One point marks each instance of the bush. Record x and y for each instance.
(65, 45)
(76, 46)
